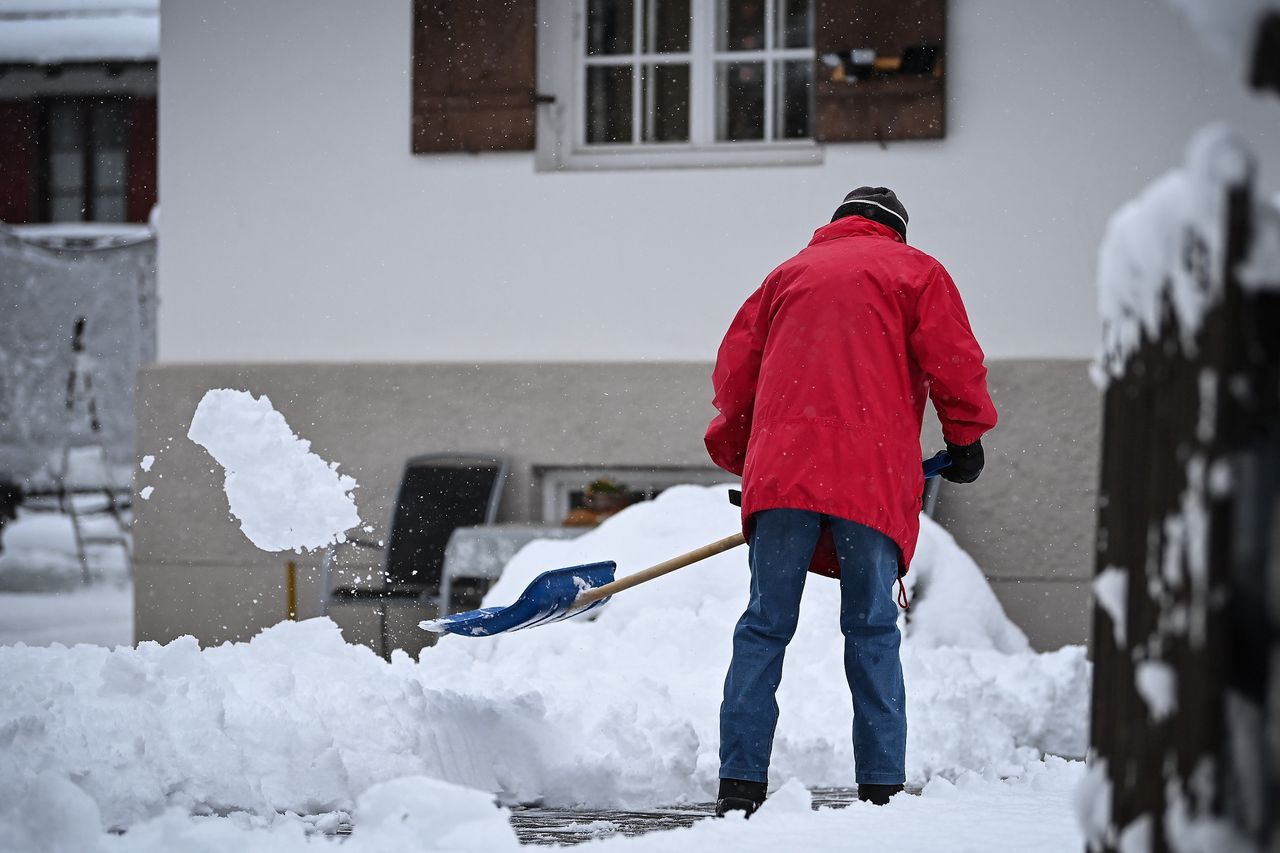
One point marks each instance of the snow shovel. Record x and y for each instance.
(562, 593)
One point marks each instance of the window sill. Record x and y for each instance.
(599, 158)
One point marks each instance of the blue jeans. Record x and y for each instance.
(782, 543)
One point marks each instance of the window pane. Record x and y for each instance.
(66, 171)
(109, 125)
(739, 100)
(108, 208)
(609, 24)
(66, 209)
(666, 26)
(795, 28)
(65, 126)
(108, 170)
(741, 25)
(792, 99)
(665, 90)
(609, 103)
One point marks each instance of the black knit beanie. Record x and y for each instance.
(878, 204)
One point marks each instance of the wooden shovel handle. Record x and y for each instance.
(659, 570)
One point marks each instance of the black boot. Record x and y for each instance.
(877, 795)
(737, 795)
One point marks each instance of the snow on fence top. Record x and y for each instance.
(285, 496)
(48, 32)
(1167, 244)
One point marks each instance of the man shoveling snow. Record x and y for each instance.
(821, 384)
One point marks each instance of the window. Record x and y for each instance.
(642, 64)
(621, 83)
(84, 160)
(563, 489)
(685, 82)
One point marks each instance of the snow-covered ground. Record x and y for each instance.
(101, 614)
(616, 711)
(1030, 813)
(38, 552)
(43, 597)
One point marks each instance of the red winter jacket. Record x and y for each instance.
(822, 377)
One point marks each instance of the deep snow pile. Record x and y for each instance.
(617, 711)
(285, 496)
(643, 679)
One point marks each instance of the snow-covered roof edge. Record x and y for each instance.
(51, 33)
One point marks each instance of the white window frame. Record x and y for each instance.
(558, 483)
(561, 124)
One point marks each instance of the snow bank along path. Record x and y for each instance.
(976, 814)
(619, 711)
(285, 496)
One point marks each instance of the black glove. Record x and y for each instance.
(966, 462)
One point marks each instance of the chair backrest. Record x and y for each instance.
(439, 493)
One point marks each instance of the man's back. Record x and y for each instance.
(823, 376)
(837, 349)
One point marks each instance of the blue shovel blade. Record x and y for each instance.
(548, 599)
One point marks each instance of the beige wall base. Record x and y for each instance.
(1028, 521)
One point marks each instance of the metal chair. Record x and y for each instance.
(438, 493)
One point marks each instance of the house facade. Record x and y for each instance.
(523, 226)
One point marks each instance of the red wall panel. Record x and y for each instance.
(17, 161)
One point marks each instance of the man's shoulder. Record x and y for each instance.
(919, 257)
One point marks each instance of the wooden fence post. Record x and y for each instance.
(1187, 628)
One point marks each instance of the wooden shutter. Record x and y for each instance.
(141, 189)
(888, 105)
(17, 161)
(474, 75)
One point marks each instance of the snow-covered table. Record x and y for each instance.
(481, 552)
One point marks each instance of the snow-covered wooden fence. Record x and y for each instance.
(1187, 628)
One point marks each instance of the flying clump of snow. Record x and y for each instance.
(285, 496)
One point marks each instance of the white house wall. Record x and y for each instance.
(297, 226)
